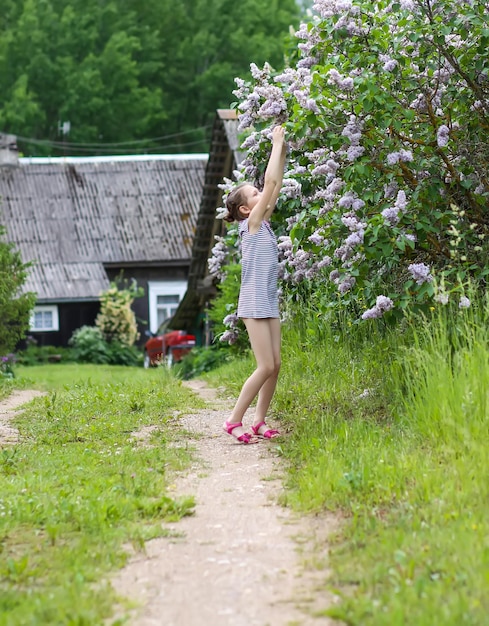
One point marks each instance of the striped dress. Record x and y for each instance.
(258, 296)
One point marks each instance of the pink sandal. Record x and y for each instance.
(268, 434)
(244, 438)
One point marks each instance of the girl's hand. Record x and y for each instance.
(278, 134)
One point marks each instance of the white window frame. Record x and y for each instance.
(45, 308)
(163, 288)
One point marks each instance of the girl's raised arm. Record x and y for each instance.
(273, 181)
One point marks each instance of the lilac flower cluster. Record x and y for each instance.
(392, 215)
(389, 64)
(330, 8)
(295, 266)
(403, 156)
(218, 259)
(353, 132)
(382, 305)
(354, 239)
(420, 272)
(232, 333)
(335, 78)
(443, 136)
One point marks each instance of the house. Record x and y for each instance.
(82, 221)
(224, 157)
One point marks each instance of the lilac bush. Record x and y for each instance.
(386, 191)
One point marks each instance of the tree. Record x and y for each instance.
(129, 70)
(386, 199)
(15, 306)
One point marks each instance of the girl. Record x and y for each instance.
(258, 298)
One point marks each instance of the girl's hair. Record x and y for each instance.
(235, 199)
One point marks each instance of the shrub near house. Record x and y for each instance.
(15, 306)
(112, 339)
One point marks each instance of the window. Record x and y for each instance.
(164, 298)
(44, 318)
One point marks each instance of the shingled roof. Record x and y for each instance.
(72, 216)
(224, 156)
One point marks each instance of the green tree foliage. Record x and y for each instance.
(15, 306)
(126, 70)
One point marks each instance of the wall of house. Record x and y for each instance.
(72, 315)
(143, 276)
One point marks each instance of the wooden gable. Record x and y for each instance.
(224, 156)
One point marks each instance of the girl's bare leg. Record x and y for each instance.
(268, 388)
(262, 340)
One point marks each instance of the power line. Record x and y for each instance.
(109, 146)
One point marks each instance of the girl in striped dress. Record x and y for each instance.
(258, 298)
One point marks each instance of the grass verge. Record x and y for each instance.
(390, 430)
(78, 487)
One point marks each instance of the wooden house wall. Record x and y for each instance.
(143, 276)
(72, 315)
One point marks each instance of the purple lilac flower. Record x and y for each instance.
(335, 78)
(355, 239)
(324, 262)
(260, 74)
(346, 201)
(316, 238)
(327, 169)
(284, 243)
(443, 136)
(353, 130)
(328, 8)
(291, 188)
(391, 216)
(406, 156)
(382, 305)
(334, 275)
(401, 201)
(251, 142)
(231, 320)
(334, 186)
(464, 303)
(420, 273)
(346, 284)
(218, 258)
(354, 152)
(358, 204)
(389, 65)
(393, 158)
(351, 221)
(231, 336)
(297, 170)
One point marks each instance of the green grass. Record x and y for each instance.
(77, 487)
(390, 431)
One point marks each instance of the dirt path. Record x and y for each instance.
(241, 560)
(8, 408)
